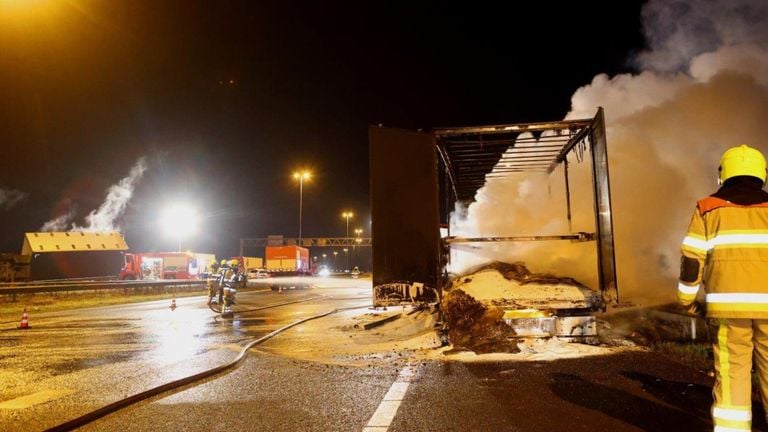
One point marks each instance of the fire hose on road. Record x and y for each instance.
(211, 305)
(123, 403)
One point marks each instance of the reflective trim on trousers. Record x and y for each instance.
(737, 414)
(725, 367)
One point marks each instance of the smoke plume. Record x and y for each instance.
(703, 88)
(59, 223)
(10, 197)
(105, 217)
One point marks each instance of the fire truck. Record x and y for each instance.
(166, 265)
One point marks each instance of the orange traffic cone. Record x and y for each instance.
(24, 324)
(173, 303)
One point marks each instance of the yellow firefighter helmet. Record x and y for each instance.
(233, 263)
(223, 262)
(742, 161)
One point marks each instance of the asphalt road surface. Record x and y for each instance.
(74, 362)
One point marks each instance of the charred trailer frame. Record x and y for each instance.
(405, 216)
(472, 155)
(467, 163)
(411, 171)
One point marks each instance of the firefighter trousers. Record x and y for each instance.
(735, 342)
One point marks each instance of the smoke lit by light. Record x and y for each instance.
(105, 217)
(703, 89)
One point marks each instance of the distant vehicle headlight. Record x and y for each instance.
(324, 272)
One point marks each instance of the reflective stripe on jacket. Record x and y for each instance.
(730, 243)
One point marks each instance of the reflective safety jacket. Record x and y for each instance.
(726, 250)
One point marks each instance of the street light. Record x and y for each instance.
(324, 255)
(358, 240)
(347, 256)
(301, 176)
(180, 221)
(335, 253)
(347, 215)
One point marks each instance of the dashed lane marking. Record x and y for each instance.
(34, 399)
(385, 413)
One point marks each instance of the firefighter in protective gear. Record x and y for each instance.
(238, 276)
(214, 267)
(228, 279)
(726, 250)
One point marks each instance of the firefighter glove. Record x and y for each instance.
(697, 308)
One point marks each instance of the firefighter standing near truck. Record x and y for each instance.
(726, 250)
(230, 284)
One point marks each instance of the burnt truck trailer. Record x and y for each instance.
(411, 196)
(63, 255)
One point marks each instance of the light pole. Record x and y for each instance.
(335, 254)
(301, 176)
(347, 215)
(358, 240)
(347, 256)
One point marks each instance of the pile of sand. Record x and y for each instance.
(514, 286)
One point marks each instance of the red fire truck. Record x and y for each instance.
(166, 265)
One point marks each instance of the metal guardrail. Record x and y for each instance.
(61, 281)
(64, 285)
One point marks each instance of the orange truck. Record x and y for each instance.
(287, 260)
(166, 265)
(249, 263)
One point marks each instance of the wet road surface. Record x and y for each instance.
(72, 362)
(79, 361)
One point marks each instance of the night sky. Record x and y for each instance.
(226, 99)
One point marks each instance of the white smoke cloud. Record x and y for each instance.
(60, 223)
(105, 217)
(704, 88)
(10, 197)
(680, 30)
(750, 60)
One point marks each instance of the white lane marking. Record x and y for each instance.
(387, 409)
(35, 399)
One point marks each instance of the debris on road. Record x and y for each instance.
(476, 327)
